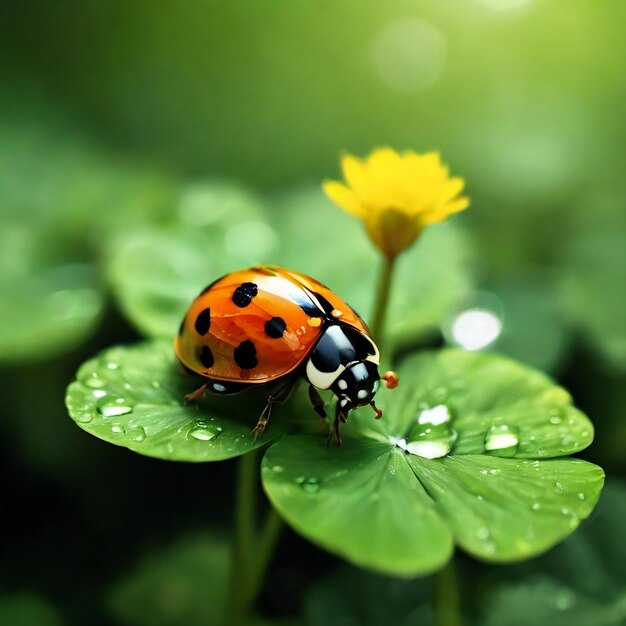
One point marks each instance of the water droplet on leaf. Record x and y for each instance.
(113, 408)
(309, 484)
(502, 440)
(135, 433)
(202, 432)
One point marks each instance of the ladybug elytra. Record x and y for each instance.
(269, 324)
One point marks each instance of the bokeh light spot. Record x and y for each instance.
(409, 54)
(475, 329)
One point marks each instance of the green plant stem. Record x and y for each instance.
(447, 602)
(265, 548)
(382, 297)
(252, 552)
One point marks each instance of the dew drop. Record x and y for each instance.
(502, 440)
(156, 384)
(84, 416)
(435, 416)
(99, 393)
(431, 437)
(94, 382)
(278, 469)
(558, 487)
(309, 484)
(555, 419)
(202, 432)
(117, 430)
(535, 506)
(483, 533)
(108, 408)
(581, 495)
(433, 449)
(135, 433)
(494, 471)
(112, 366)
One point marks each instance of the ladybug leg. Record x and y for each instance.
(257, 431)
(335, 435)
(279, 396)
(197, 394)
(317, 401)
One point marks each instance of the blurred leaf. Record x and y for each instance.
(432, 278)
(547, 602)
(594, 299)
(352, 597)
(156, 272)
(49, 301)
(383, 502)
(54, 174)
(582, 582)
(134, 397)
(26, 609)
(184, 584)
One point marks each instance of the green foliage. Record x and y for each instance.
(156, 272)
(51, 300)
(380, 502)
(581, 582)
(134, 397)
(26, 609)
(368, 599)
(592, 291)
(185, 583)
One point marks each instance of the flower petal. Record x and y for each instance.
(344, 197)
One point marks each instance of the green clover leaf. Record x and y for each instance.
(156, 272)
(134, 397)
(580, 582)
(462, 454)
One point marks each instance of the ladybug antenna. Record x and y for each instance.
(391, 379)
(378, 412)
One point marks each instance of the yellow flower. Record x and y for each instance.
(397, 195)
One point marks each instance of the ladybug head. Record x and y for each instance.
(356, 385)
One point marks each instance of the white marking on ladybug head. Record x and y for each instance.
(362, 394)
(342, 384)
(322, 380)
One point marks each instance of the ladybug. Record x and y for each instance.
(272, 325)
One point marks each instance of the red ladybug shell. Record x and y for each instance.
(258, 324)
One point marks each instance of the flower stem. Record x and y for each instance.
(382, 297)
(447, 600)
(252, 552)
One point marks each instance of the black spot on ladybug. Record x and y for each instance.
(244, 293)
(206, 357)
(203, 322)
(275, 327)
(245, 355)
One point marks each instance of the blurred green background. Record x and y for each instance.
(125, 122)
